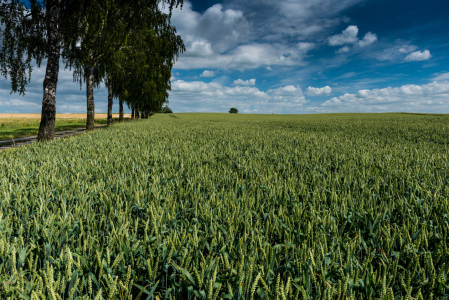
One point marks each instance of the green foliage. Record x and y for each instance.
(141, 69)
(233, 110)
(166, 110)
(24, 35)
(231, 207)
(23, 39)
(131, 43)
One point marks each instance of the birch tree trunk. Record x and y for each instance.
(120, 103)
(90, 99)
(48, 115)
(110, 101)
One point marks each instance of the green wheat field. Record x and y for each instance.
(225, 206)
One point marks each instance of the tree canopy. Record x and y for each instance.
(129, 43)
(25, 27)
(32, 31)
(166, 110)
(142, 71)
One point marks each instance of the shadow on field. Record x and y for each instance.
(18, 130)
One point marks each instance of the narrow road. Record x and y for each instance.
(8, 144)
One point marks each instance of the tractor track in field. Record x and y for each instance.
(23, 141)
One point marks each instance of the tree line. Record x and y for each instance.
(130, 45)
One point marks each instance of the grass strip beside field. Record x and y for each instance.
(15, 128)
(221, 206)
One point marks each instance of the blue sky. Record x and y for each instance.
(294, 56)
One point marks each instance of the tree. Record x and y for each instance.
(32, 30)
(166, 110)
(141, 76)
(106, 28)
(101, 29)
(233, 110)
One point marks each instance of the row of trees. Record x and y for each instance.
(130, 45)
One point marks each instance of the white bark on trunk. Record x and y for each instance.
(48, 115)
(90, 99)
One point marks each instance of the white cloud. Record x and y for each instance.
(418, 56)
(250, 34)
(344, 49)
(312, 91)
(19, 104)
(368, 39)
(212, 97)
(289, 93)
(249, 56)
(443, 76)
(199, 48)
(348, 36)
(207, 74)
(77, 108)
(349, 75)
(407, 48)
(428, 97)
(282, 19)
(182, 86)
(402, 52)
(306, 47)
(215, 31)
(249, 82)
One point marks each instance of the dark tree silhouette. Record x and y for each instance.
(106, 28)
(33, 30)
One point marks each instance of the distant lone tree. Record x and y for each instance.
(233, 110)
(166, 110)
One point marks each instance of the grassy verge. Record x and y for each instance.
(15, 128)
(221, 206)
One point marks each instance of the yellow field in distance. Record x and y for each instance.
(58, 116)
